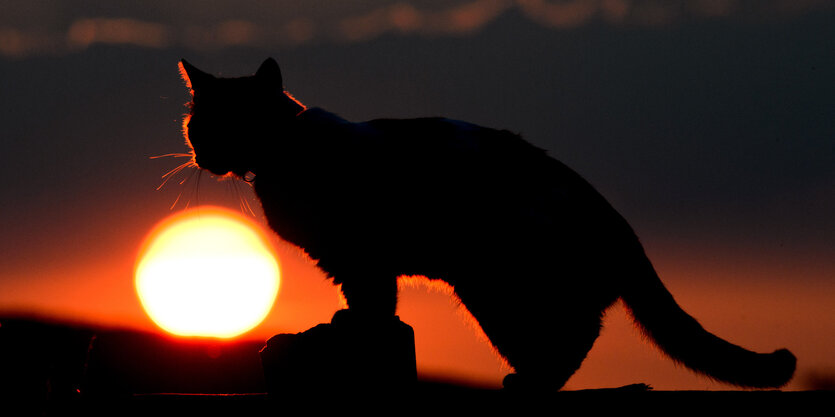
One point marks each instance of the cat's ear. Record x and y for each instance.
(269, 73)
(193, 77)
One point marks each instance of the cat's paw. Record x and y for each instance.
(342, 317)
(640, 387)
(348, 317)
(516, 383)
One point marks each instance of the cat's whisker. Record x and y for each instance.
(229, 188)
(180, 194)
(168, 175)
(233, 189)
(245, 206)
(175, 155)
(196, 189)
(173, 171)
(241, 202)
(176, 200)
(190, 176)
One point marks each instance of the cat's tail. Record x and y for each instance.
(682, 338)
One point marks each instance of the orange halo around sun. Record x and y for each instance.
(207, 272)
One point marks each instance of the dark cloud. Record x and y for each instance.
(33, 28)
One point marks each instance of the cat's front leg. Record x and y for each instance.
(375, 351)
(369, 297)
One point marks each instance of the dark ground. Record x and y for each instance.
(60, 369)
(440, 399)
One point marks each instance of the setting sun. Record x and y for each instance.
(207, 272)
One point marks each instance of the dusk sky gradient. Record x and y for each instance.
(709, 124)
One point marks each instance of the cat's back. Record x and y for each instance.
(431, 159)
(477, 175)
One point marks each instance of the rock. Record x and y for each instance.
(350, 355)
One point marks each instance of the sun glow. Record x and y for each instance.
(207, 272)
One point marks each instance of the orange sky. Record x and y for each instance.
(746, 301)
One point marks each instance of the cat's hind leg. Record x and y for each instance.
(546, 358)
(544, 336)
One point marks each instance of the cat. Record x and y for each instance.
(531, 249)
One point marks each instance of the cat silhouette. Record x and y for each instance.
(531, 249)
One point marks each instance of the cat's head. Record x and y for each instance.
(232, 118)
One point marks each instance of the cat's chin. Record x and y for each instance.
(217, 172)
(226, 172)
(221, 173)
(234, 175)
